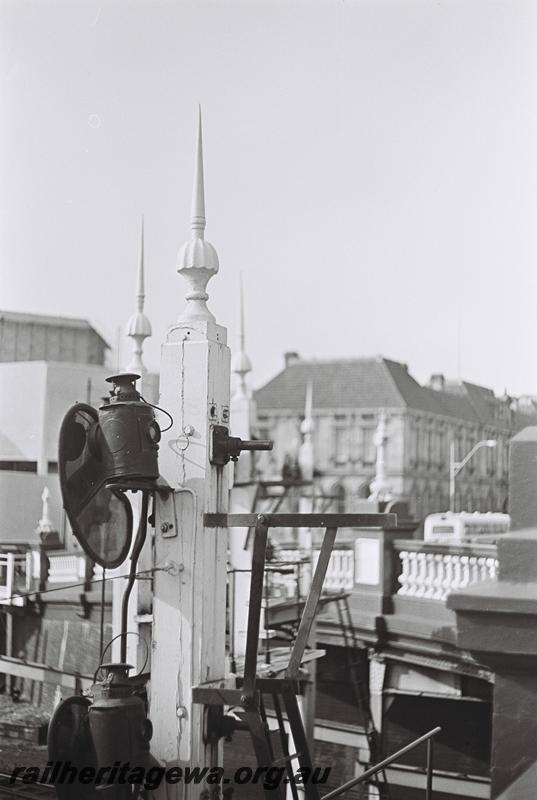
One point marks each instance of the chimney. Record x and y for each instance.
(291, 358)
(437, 382)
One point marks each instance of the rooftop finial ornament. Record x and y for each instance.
(380, 488)
(197, 261)
(306, 457)
(45, 523)
(138, 326)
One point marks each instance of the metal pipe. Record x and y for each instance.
(452, 476)
(256, 444)
(254, 607)
(429, 786)
(380, 766)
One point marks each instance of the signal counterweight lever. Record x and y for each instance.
(226, 448)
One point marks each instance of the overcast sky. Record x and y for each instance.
(371, 169)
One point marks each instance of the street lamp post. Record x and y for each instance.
(456, 466)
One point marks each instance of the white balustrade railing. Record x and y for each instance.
(66, 568)
(20, 572)
(287, 584)
(433, 573)
(339, 574)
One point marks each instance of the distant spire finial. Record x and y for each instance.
(241, 363)
(138, 326)
(242, 333)
(140, 295)
(197, 261)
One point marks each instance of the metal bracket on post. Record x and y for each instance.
(226, 448)
(219, 725)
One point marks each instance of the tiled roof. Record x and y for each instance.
(364, 382)
(374, 383)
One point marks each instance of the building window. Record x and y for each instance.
(18, 466)
(442, 458)
(367, 445)
(262, 432)
(338, 498)
(341, 444)
(417, 445)
(52, 467)
(429, 444)
(491, 458)
(505, 458)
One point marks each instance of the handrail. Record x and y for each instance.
(300, 520)
(461, 547)
(427, 737)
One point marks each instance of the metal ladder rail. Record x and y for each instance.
(379, 780)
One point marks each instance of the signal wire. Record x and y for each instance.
(136, 550)
(23, 595)
(101, 627)
(163, 410)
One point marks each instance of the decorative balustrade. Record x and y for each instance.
(340, 572)
(432, 571)
(339, 575)
(428, 570)
(66, 568)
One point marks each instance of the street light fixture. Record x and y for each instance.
(456, 466)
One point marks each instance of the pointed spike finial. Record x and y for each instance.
(138, 326)
(241, 363)
(198, 191)
(242, 333)
(140, 294)
(197, 261)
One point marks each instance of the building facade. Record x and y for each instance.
(47, 364)
(420, 424)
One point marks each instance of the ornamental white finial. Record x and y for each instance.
(138, 326)
(380, 488)
(45, 523)
(241, 364)
(197, 261)
(306, 457)
(307, 425)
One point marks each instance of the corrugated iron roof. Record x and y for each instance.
(25, 318)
